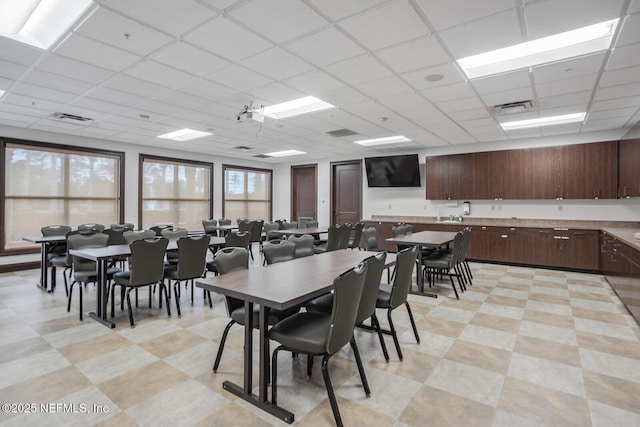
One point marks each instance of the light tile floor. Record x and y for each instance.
(522, 347)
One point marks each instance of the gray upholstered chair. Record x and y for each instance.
(279, 251)
(125, 226)
(84, 270)
(393, 296)
(357, 236)
(147, 269)
(367, 308)
(446, 264)
(370, 236)
(91, 228)
(321, 334)
(173, 234)
(268, 227)
(224, 221)
(116, 236)
(289, 225)
(192, 259)
(304, 244)
(158, 229)
(255, 228)
(57, 253)
(133, 235)
(333, 240)
(208, 226)
(345, 235)
(239, 239)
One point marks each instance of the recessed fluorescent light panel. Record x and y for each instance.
(184, 135)
(544, 121)
(285, 153)
(570, 44)
(308, 104)
(382, 141)
(39, 23)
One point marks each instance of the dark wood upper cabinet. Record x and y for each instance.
(629, 171)
(582, 171)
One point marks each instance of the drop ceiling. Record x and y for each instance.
(143, 68)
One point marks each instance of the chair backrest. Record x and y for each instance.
(304, 244)
(239, 239)
(207, 225)
(231, 259)
(398, 230)
(290, 225)
(133, 235)
(405, 261)
(333, 237)
(345, 235)
(125, 226)
(311, 224)
(256, 230)
(268, 227)
(458, 247)
(303, 221)
(408, 228)
(279, 251)
(116, 236)
(192, 256)
(370, 235)
(281, 222)
(224, 221)
(347, 291)
(244, 225)
(55, 230)
(91, 228)
(158, 229)
(83, 241)
(357, 234)
(147, 260)
(173, 234)
(466, 233)
(375, 267)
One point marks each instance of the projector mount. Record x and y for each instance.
(249, 112)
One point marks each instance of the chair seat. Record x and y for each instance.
(211, 266)
(171, 271)
(274, 315)
(384, 296)
(304, 332)
(59, 261)
(91, 276)
(320, 249)
(322, 304)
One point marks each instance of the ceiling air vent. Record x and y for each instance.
(242, 148)
(262, 156)
(70, 118)
(339, 133)
(513, 107)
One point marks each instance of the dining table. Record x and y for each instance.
(103, 256)
(277, 286)
(46, 243)
(306, 230)
(422, 239)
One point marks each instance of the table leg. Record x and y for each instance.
(420, 278)
(44, 285)
(100, 315)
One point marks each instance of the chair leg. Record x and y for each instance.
(274, 375)
(80, 295)
(191, 291)
(394, 334)
(376, 326)
(69, 297)
(129, 307)
(413, 323)
(309, 365)
(176, 293)
(113, 297)
(221, 346)
(363, 375)
(453, 286)
(209, 298)
(166, 297)
(330, 393)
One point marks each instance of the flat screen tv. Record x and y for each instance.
(393, 171)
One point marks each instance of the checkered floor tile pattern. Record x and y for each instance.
(522, 347)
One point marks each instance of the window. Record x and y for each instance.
(45, 184)
(247, 193)
(174, 192)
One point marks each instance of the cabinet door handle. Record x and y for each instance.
(504, 236)
(543, 231)
(577, 233)
(565, 237)
(557, 237)
(560, 229)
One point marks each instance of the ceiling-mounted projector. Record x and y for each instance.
(249, 112)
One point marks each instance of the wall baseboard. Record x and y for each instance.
(7, 268)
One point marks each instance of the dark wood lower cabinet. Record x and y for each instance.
(621, 265)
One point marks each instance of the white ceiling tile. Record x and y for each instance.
(95, 53)
(277, 64)
(279, 20)
(459, 105)
(18, 53)
(493, 32)
(502, 82)
(314, 82)
(625, 56)
(605, 124)
(411, 105)
(227, 39)
(40, 92)
(629, 33)
(568, 69)
(579, 100)
(338, 9)
(561, 129)
(414, 54)
(186, 57)
(31, 102)
(239, 78)
(399, 21)
(611, 104)
(612, 114)
(208, 89)
(115, 96)
(448, 13)
(74, 69)
(383, 87)
(183, 99)
(449, 92)
(325, 47)
(622, 76)
(134, 86)
(344, 95)
(619, 91)
(507, 96)
(171, 17)
(276, 93)
(10, 70)
(450, 75)
(357, 70)
(477, 113)
(115, 30)
(159, 74)
(545, 18)
(6, 116)
(560, 87)
(99, 105)
(57, 82)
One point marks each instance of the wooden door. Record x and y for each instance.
(304, 192)
(346, 192)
